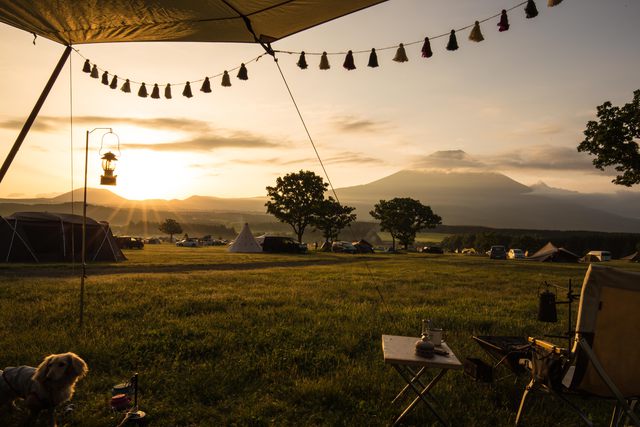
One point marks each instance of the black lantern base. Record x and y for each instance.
(108, 180)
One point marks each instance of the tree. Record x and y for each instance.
(403, 218)
(295, 200)
(170, 227)
(332, 217)
(614, 140)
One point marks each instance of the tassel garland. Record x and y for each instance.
(243, 74)
(426, 48)
(142, 93)
(531, 10)
(155, 93)
(167, 91)
(453, 41)
(302, 62)
(373, 59)
(324, 61)
(187, 91)
(552, 3)
(94, 72)
(206, 86)
(86, 67)
(105, 78)
(349, 63)
(114, 82)
(126, 87)
(226, 81)
(401, 54)
(476, 34)
(504, 21)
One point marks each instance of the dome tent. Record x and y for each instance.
(49, 237)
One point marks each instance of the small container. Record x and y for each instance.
(120, 402)
(124, 388)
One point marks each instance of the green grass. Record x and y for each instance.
(239, 339)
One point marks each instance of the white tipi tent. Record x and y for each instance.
(245, 242)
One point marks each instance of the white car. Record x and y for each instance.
(187, 243)
(515, 254)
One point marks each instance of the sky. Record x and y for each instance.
(516, 103)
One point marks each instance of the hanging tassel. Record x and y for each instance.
(324, 61)
(504, 21)
(187, 91)
(401, 54)
(167, 91)
(531, 10)
(142, 93)
(302, 62)
(114, 82)
(349, 64)
(226, 81)
(126, 87)
(453, 41)
(155, 93)
(94, 72)
(373, 59)
(105, 78)
(206, 86)
(476, 34)
(243, 74)
(552, 3)
(86, 67)
(426, 48)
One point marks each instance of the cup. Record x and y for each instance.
(435, 336)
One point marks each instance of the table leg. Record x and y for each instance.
(421, 394)
(416, 378)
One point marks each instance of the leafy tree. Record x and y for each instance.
(332, 217)
(170, 227)
(403, 218)
(295, 200)
(614, 140)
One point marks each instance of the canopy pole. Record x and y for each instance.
(34, 113)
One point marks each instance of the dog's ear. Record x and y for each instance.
(42, 369)
(80, 368)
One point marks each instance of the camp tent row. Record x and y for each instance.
(48, 237)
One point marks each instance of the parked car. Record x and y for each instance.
(278, 244)
(344, 247)
(188, 243)
(128, 242)
(497, 252)
(515, 254)
(431, 250)
(152, 241)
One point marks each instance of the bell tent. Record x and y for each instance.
(48, 237)
(245, 242)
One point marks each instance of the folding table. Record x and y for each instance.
(399, 352)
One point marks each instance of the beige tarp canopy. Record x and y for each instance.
(78, 22)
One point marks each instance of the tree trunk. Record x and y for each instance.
(170, 238)
(393, 243)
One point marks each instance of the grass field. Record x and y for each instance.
(239, 339)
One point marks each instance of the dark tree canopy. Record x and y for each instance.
(295, 200)
(170, 227)
(403, 218)
(332, 217)
(613, 139)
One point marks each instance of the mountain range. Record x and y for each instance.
(461, 198)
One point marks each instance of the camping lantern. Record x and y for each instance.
(547, 311)
(108, 166)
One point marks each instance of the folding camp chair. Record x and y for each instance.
(605, 359)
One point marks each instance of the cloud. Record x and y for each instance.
(543, 157)
(352, 158)
(346, 157)
(210, 143)
(354, 125)
(449, 159)
(50, 123)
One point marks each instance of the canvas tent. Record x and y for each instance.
(48, 237)
(245, 242)
(551, 253)
(634, 257)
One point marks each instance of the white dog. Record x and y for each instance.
(45, 387)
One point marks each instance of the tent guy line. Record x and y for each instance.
(530, 10)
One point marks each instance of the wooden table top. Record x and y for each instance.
(402, 350)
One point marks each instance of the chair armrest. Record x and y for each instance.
(546, 345)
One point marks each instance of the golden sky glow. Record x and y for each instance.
(516, 103)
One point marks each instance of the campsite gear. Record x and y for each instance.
(603, 362)
(120, 402)
(245, 242)
(505, 350)
(109, 159)
(435, 336)
(424, 348)
(123, 388)
(478, 369)
(425, 329)
(547, 306)
(400, 352)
